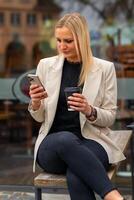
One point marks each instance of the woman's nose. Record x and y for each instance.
(62, 46)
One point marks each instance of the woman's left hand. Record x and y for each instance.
(79, 103)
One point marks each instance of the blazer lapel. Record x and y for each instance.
(53, 87)
(91, 87)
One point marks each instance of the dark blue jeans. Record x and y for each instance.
(84, 162)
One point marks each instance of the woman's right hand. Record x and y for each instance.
(37, 93)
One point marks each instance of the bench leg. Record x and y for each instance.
(38, 194)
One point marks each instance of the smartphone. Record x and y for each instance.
(34, 79)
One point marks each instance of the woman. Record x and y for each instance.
(76, 143)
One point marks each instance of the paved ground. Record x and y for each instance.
(30, 196)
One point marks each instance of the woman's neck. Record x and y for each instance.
(73, 60)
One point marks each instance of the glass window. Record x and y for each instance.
(15, 19)
(1, 18)
(47, 19)
(31, 19)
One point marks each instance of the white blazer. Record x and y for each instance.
(100, 89)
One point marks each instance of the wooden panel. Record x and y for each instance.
(124, 55)
(50, 180)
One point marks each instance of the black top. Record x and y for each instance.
(67, 120)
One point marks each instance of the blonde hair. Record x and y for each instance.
(78, 26)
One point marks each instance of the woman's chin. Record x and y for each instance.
(66, 55)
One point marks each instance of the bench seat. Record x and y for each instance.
(53, 181)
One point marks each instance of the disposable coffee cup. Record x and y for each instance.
(69, 91)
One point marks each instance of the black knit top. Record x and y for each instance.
(67, 120)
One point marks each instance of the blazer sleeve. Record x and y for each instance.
(39, 115)
(106, 113)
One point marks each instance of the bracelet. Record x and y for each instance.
(89, 115)
(93, 115)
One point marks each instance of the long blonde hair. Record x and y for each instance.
(78, 26)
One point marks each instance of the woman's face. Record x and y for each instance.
(65, 43)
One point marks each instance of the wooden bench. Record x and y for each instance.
(52, 183)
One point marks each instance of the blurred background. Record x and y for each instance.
(26, 36)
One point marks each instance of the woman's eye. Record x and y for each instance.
(69, 41)
(58, 40)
